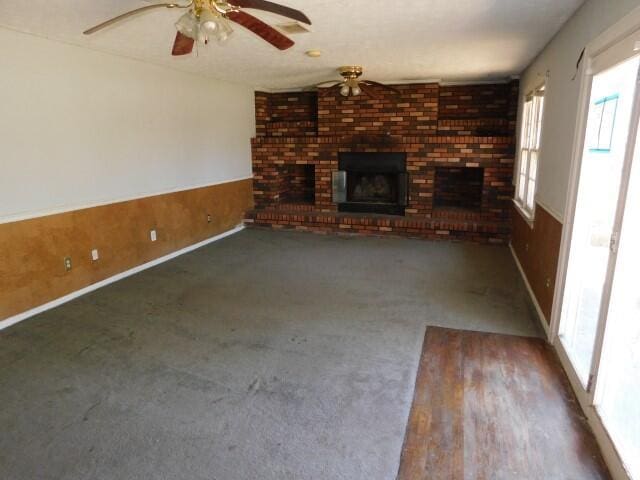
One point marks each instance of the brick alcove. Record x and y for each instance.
(458, 188)
(455, 134)
(296, 184)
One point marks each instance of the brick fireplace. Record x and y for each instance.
(370, 182)
(433, 162)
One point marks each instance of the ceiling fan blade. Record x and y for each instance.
(132, 13)
(382, 85)
(273, 8)
(366, 88)
(257, 26)
(328, 83)
(183, 45)
(325, 91)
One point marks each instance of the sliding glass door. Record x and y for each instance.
(617, 396)
(599, 326)
(612, 98)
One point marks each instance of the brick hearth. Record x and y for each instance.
(300, 135)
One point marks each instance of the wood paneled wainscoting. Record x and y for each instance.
(537, 249)
(32, 252)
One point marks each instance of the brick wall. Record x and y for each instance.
(493, 154)
(476, 131)
(413, 112)
(473, 101)
(286, 114)
(419, 110)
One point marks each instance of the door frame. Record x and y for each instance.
(616, 34)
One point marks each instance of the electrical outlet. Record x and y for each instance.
(208, 218)
(153, 235)
(94, 254)
(548, 283)
(67, 263)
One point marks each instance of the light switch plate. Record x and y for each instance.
(153, 235)
(94, 254)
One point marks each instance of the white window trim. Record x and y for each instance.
(524, 145)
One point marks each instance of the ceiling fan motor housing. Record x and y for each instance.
(350, 71)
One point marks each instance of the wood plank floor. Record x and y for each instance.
(490, 406)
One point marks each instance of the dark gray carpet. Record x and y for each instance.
(267, 355)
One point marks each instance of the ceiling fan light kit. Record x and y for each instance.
(204, 25)
(187, 25)
(207, 19)
(353, 85)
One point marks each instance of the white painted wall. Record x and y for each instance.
(561, 106)
(79, 128)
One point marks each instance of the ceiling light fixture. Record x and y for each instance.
(353, 85)
(207, 19)
(187, 25)
(204, 23)
(208, 22)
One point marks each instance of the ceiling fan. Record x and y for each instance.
(352, 84)
(206, 19)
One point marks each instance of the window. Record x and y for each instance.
(601, 136)
(529, 151)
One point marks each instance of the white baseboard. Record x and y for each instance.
(78, 293)
(541, 316)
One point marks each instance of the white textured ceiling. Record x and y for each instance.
(452, 40)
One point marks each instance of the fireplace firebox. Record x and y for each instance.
(371, 182)
(459, 188)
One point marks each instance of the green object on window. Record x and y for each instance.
(601, 135)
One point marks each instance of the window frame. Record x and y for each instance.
(529, 149)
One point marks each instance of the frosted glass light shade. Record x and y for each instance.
(344, 91)
(224, 30)
(208, 23)
(187, 25)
